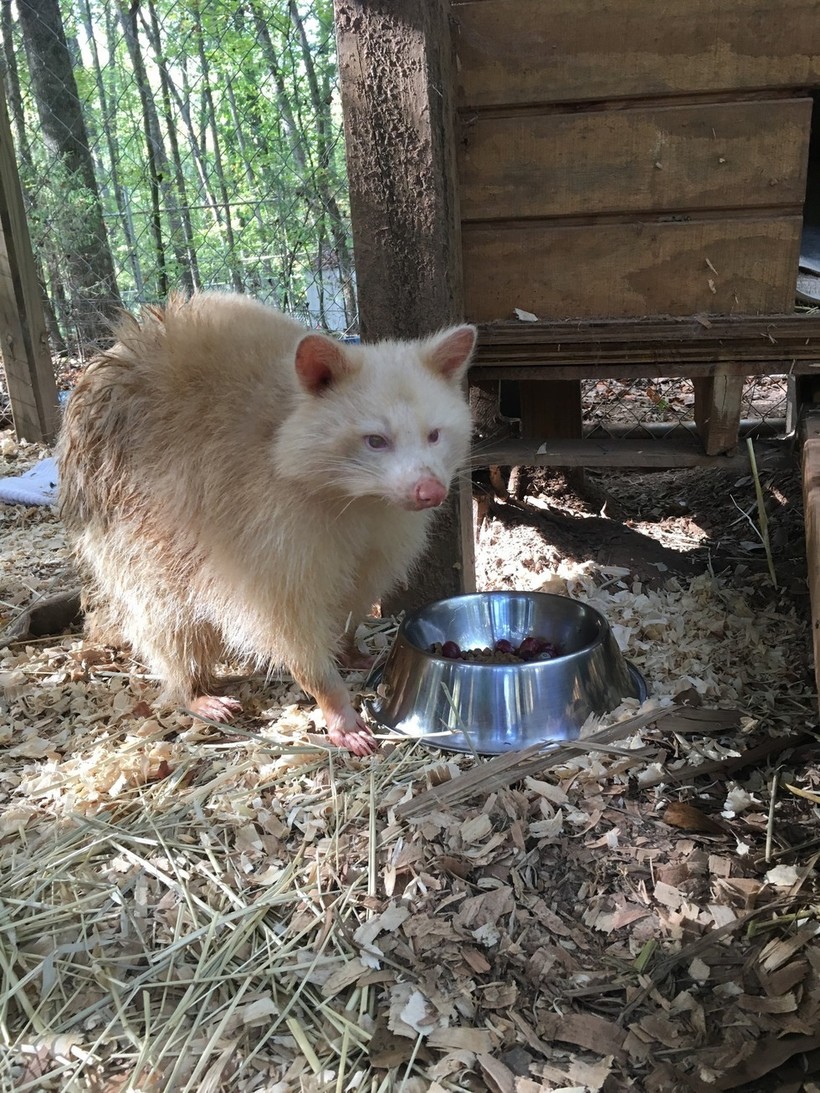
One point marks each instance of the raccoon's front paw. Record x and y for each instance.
(215, 708)
(351, 731)
(353, 658)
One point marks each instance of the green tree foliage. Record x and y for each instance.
(216, 141)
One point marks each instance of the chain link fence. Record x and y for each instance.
(170, 144)
(664, 408)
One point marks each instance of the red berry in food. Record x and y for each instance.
(528, 649)
(451, 650)
(504, 646)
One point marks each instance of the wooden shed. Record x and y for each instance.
(632, 172)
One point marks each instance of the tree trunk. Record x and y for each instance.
(190, 272)
(88, 255)
(210, 113)
(108, 125)
(162, 195)
(182, 100)
(324, 178)
(250, 174)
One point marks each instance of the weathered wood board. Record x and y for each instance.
(810, 429)
(514, 52)
(662, 341)
(645, 454)
(650, 159)
(24, 346)
(395, 63)
(723, 266)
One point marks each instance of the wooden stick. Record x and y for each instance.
(511, 767)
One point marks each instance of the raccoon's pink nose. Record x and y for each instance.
(429, 492)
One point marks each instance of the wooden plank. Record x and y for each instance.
(705, 156)
(717, 411)
(29, 370)
(725, 266)
(759, 341)
(811, 509)
(660, 369)
(529, 51)
(396, 72)
(551, 409)
(646, 454)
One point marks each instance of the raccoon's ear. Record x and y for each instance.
(320, 362)
(449, 352)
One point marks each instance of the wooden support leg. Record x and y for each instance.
(551, 410)
(717, 411)
(811, 503)
(809, 431)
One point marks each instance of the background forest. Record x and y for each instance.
(179, 143)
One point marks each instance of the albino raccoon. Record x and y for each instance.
(236, 487)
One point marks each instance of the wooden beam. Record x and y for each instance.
(645, 454)
(518, 52)
(810, 432)
(23, 340)
(513, 370)
(395, 68)
(397, 80)
(665, 345)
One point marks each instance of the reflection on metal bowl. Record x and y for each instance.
(492, 708)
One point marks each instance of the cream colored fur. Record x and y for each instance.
(221, 507)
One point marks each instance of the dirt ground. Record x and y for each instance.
(187, 908)
(689, 521)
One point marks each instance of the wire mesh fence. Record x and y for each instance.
(663, 408)
(179, 144)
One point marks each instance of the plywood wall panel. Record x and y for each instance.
(536, 51)
(714, 155)
(732, 265)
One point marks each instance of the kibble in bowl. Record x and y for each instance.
(503, 651)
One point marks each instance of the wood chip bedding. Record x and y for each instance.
(198, 909)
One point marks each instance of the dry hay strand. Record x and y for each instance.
(185, 940)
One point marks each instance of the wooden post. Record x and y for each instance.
(553, 411)
(23, 341)
(396, 69)
(810, 435)
(717, 410)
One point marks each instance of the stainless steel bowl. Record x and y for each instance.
(493, 708)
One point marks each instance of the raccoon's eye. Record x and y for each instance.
(376, 442)
(432, 437)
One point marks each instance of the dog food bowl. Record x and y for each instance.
(493, 708)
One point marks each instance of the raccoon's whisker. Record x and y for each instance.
(341, 512)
